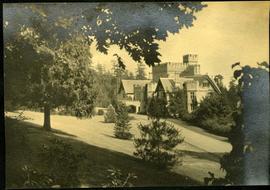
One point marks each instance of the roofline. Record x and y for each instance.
(135, 80)
(213, 84)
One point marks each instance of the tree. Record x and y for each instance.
(122, 126)
(249, 157)
(233, 94)
(219, 81)
(214, 114)
(110, 115)
(158, 139)
(140, 73)
(47, 27)
(132, 27)
(157, 108)
(104, 86)
(177, 107)
(58, 77)
(247, 148)
(213, 105)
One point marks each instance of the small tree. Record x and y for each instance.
(110, 115)
(62, 163)
(177, 107)
(122, 126)
(157, 108)
(158, 139)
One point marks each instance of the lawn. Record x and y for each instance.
(24, 143)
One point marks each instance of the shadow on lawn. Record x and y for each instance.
(112, 136)
(92, 170)
(37, 127)
(215, 157)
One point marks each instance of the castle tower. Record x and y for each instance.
(191, 61)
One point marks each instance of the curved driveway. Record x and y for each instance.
(201, 151)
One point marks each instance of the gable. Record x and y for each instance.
(203, 78)
(165, 84)
(128, 85)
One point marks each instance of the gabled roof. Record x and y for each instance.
(206, 77)
(180, 81)
(213, 84)
(167, 84)
(128, 85)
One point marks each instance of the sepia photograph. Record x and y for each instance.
(136, 94)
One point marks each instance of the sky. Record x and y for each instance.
(224, 33)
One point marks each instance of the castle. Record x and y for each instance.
(166, 79)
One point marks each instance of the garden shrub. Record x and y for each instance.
(214, 114)
(33, 178)
(188, 117)
(158, 139)
(216, 126)
(110, 115)
(177, 106)
(62, 163)
(118, 179)
(157, 108)
(131, 109)
(100, 112)
(122, 126)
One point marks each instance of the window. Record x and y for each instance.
(192, 95)
(193, 101)
(205, 84)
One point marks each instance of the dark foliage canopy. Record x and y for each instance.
(135, 27)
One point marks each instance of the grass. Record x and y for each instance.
(24, 143)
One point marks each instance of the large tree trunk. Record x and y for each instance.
(47, 117)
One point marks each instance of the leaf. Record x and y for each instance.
(264, 64)
(237, 73)
(235, 64)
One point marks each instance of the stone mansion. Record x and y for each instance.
(167, 78)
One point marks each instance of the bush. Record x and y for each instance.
(122, 126)
(213, 105)
(188, 117)
(157, 108)
(177, 106)
(66, 111)
(110, 115)
(118, 179)
(100, 112)
(61, 163)
(214, 114)
(216, 126)
(34, 178)
(158, 139)
(131, 109)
